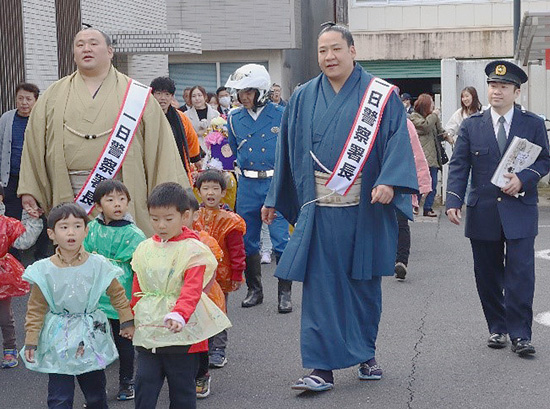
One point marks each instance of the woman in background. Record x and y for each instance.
(213, 100)
(430, 131)
(200, 114)
(470, 105)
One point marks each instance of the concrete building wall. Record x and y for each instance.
(242, 25)
(282, 32)
(145, 68)
(39, 32)
(433, 45)
(435, 30)
(376, 16)
(115, 16)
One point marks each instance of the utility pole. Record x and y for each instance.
(517, 21)
(341, 12)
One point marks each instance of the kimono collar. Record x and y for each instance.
(350, 82)
(186, 233)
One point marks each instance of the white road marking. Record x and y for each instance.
(544, 254)
(543, 318)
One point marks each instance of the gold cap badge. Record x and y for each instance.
(275, 129)
(500, 70)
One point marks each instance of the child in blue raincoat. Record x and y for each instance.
(67, 335)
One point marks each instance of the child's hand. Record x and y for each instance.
(127, 332)
(235, 285)
(173, 325)
(29, 355)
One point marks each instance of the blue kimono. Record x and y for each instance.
(340, 253)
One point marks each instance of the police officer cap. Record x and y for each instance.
(405, 96)
(504, 71)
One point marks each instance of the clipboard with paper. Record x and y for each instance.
(520, 154)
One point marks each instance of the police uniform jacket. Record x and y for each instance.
(254, 141)
(490, 211)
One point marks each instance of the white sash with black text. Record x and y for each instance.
(115, 150)
(361, 137)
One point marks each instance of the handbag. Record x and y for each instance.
(443, 158)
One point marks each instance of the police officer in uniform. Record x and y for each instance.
(253, 130)
(500, 224)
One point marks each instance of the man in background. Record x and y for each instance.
(276, 95)
(187, 99)
(163, 89)
(407, 101)
(12, 132)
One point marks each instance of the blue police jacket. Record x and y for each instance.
(253, 142)
(489, 210)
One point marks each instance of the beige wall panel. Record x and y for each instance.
(358, 17)
(422, 17)
(502, 14)
(428, 17)
(464, 16)
(483, 16)
(377, 19)
(535, 5)
(394, 17)
(411, 18)
(447, 17)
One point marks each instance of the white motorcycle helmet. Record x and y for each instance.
(251, 76)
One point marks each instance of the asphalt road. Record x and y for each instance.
(431, 344)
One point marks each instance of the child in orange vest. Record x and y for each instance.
(228, 229)
(212, 290)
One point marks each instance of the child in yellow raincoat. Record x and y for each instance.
(173, 316)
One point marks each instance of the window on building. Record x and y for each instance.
(189, 75)
(209, 75)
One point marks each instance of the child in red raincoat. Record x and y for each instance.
(11, 283)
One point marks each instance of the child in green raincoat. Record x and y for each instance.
(67, 335)
(113, 234)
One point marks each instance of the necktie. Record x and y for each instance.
(501, 135)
